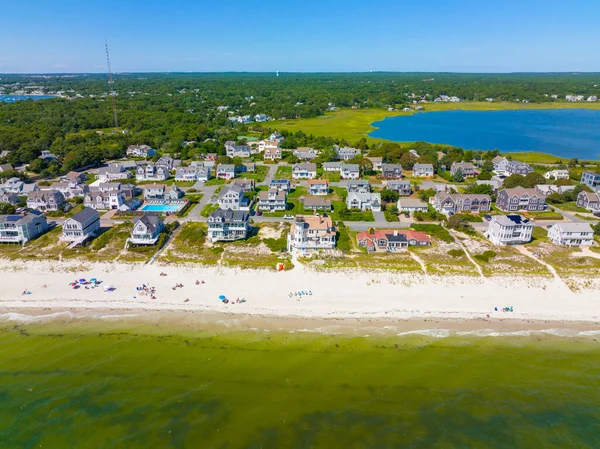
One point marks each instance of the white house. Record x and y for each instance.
(350, 171)
(557, 174)
(225, 171)
(512, 229)
(272, 200)
(364, 201)
(195, 173)
(233, 198)
(113, 172)
(332, 166)
(234, 150)
(571, 234)
(152, 172)
(228, 225)
(411, 205)
(140, 151)
(272, 154)
(422, 170)
(146, 229)
(22, 228)
(306, 170)
(80, 226)
(311, 233)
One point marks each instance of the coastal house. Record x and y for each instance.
(247, 166)
(107, 200)
(272, 154)
(499, 163)
(191, 174)
(305, 153)
(412, 205)
(47, 155)
(358, 186)
(346, 153)
(591, 179)
(350, 171)
(512, 229)
(67, 189)
(21, 228)
(146, 229)
(140, 151)
(280, 184)
(306, 170)
(332, 166)
(152, 172)
(556, 174)
(403, 188)
(318, 187)
(168, 162)
(80, 227)
(422, 170)
(377, 162)
(548, 189)
(520, 198)
(571, 234)
(225, 171)
(113, 172)
(247, 185)
(391, 239)
(15, 185)
(364, 201)
(391, 171)
(46, 200)
(493, 183)
(228, 225)
(589, 201)
(311, 233)
(233, 198)
(276, 137)
(8, 197)
(466, 168)
(233, 150)
(453, 203)
(517, 168)
(316, 203)
(271, 200)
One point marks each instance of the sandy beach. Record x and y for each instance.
(366, 299)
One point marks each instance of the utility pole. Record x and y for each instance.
(111, 84)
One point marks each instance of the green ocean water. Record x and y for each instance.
(99, 385)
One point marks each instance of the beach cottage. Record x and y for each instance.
(80, 227)
(146, 229)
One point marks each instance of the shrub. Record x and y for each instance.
(486, 256)
(456, 253)
(434, 230)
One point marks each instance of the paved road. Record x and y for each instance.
(365, 225)
(568, 215)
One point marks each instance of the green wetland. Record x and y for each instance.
(99, 384)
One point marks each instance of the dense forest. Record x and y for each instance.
(166, 110)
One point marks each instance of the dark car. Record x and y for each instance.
(488, 217)
(597, 214)
(407, 214)
(259, 213)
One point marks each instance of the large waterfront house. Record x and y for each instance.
(453, 203)
(146, 229)
(520, 198)
(225, 171)
(311, 233)
(21, 228)
(233, 198)
(306, 170)
(280, 184)
(556, 174)
(80, 226)
(234, 150)
(403, 188)
(192, 174)
(364, 201)
(423, 170)
(571, 234)
(305, 153)
(358, 186)
(113, 172)
(152, 172)
(318, 187)
(412, 205)
(271, 200)
(517, 168)
(466, 168)
(140, 151)
(46, 200)
(316, 203)
(591, 179)
(350, 171)
(512, 229)
(589, 201)
(391, 171)
(346, 153)
(228, 225)
(391, 239)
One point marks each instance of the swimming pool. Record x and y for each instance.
(161, 208)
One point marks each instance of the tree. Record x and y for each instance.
(223, 160)
(481, 189)
(573, 162)
(389, 196)
(458, 176)
(596, 228)
(485, 176)
(7, 208)
(563, 182)
(488, 166)
(366, 166)
(459, 223)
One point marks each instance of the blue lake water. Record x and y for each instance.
(562, 132)
(15, 98)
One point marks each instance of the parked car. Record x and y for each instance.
(407, 214)
(258, 213)
(597, 214)
(488, 217)
(288, 217)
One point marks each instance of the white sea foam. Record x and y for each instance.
(24, 318)
(445, 333)
(437, 333)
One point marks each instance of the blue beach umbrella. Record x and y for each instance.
(222, 298)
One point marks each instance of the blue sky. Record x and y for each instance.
(302, 35)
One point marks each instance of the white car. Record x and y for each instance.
(288, 217)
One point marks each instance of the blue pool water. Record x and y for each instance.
(160, 208)
(562, 132)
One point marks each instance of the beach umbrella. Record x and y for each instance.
(222, 298)
(82, 280)
(93, 280)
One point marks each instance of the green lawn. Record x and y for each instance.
(284, 172)
(570, 207)
(353, 215)
(331, 176)
(208, 209)
(258, 175)
(214, 182)
(545, 215)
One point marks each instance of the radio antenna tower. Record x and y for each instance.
(111, 84)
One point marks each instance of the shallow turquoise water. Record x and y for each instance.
(100, 385)
(562, 132)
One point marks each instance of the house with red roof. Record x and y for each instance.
(392, 239)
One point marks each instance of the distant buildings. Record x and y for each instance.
(306, 170)
(272, 200)
(349, 171)
(114, 172)
(140, 151)
(517, 168)
(364, 201)
(46, 200)
(305, 153)
(234, 150)
(152, 172)
(556, 174)
(318, 187)
(391, 171)
(233, 198)
(589, 201)
(512, 229)
(225, 171)
(412, 205)
(466, 168)
(345, 153)
(192, 174)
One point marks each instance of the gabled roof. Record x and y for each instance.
(574, 227)
(151, 221)
(85, 215)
